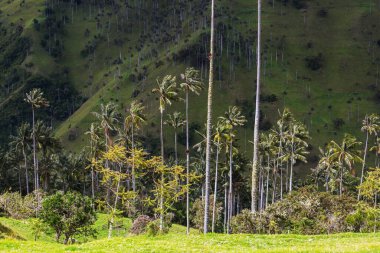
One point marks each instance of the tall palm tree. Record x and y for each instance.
(166, 91)
(94, 142)
(175, 121)
(343, 154)
(108, 119)
(219, 137)
(21, 142)
(209, 118)
(296, 145)
(191, 83)
(257, 112)
(281, 130)
(232, 118)
(49, 146)
(36, 100)
(371, 124)
(268, 148)
(326, 165)
(134, 120)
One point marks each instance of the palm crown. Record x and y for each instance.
(36, 99)
(166, 90)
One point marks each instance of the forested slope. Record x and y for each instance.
(320, 59)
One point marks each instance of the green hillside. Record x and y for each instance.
(320, 59)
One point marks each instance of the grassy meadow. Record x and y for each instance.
(19, 238)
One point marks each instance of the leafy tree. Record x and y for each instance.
(116, 156)
(68, 214)
(167, 188)
(370, 188)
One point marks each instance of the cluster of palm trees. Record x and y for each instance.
(36, 140)
(280, 149)
(338, 159)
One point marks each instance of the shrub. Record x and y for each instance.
(68, 214)
(140, 225)
(338, 123)
(198, 213)
(364, 219)
(305, 211)
(314, 62)
(153, 228)
(19, 207)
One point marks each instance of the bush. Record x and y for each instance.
(19, 207)
(153, 228)
(140, 225)
(314, 62)
(68, 214)
(198, 214)
(305, 211)
(364, 219)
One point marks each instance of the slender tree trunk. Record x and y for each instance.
(341, 180)
(26, 171)
(175, 147)
(364, 160)
(274, 186)
(267, 191)
(114, 206)
(209, 111)
(19, 179)
(92, 186)
(34, 153)
(187, 164)
(162, 203)
(215, 188)
(133, 160)
(291, 169)
(230, 194)
(162, 136)
(225, 209)
(257, 112)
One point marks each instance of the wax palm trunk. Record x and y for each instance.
(209, 110)
(257, 111)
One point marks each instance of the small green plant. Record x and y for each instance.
(38, 227)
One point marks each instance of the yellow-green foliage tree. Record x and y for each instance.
(112, 175)
(370, 188)
(168, 187)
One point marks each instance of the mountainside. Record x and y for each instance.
(321, 59)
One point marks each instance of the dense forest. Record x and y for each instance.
(256, 117)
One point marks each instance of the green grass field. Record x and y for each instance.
(178, 241)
